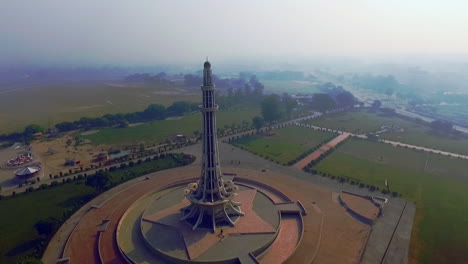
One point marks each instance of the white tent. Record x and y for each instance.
(27, 171)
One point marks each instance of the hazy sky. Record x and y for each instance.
(152, 31)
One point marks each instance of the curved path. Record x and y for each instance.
(89, 242)
(84, 243)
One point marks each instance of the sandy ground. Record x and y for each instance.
(53, 163)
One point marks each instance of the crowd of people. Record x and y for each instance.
(20, 160)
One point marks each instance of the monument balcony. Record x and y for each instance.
(209, 109)
(208, 87)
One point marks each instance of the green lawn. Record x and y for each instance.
(363, 122)
(158, 131)
(286, 144)
(438, 188)
(19, 214)
(18, 237)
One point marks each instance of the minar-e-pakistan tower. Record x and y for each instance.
(211, 197)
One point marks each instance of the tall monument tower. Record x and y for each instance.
(211, 197)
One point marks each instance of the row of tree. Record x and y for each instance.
(25, 136)
(160, 79)
(152, 112)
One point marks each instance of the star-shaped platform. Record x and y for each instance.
(198, 241)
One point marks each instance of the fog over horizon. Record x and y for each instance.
(148, 32)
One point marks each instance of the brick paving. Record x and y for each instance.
(316, 154)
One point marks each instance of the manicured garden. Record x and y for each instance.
(436, 183)
(361, 122)
(284, 145)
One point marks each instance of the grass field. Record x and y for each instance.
(18, 216)
(158, 131)
(436, 183)
(363, 122)
(18, 237)
(286, 144)
(55, 102)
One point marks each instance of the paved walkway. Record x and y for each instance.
(316, 154)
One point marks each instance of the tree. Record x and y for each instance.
(99, 181)
(376, 104)
(154, 112)
(258, 122)
(271, 108)
(32, 129)
(288, 103)
(323, 102)
(65, 126)
(179, 108)
(345, 99)
(196, 133)
(389, 91)
(247, 90)
(442, 126)
(47, 227)
(78, 140)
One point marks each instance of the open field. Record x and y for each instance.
(361, 122)
(54, 102)
(19, 214)
(280, 87)
(158, 131)
(436, 183)
(286, 144)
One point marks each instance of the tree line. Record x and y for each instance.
(151, 113)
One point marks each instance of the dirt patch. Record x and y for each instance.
(135, 124)
(89, 132)
(174, 118)
(53, 162)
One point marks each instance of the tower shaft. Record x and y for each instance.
(211, 197)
